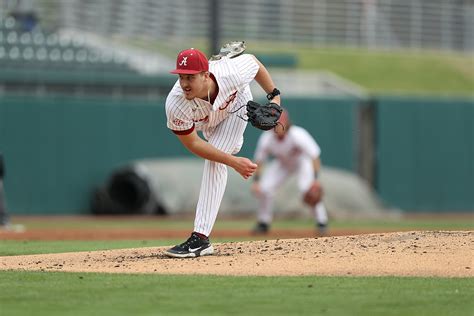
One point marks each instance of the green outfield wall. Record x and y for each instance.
(59, 149)
(425, 153)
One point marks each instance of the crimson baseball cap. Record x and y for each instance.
(191, 61)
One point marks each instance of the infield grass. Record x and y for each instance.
(57, 293)
(464, 221)
(30, 247)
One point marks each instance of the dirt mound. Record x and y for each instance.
(425, 253)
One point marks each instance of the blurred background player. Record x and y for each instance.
(294, 151)
(211, 97)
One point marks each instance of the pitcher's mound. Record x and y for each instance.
(417, 253)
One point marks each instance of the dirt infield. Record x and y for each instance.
(416, 253)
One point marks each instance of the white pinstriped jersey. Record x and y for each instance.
(233, 77)
(296, 144)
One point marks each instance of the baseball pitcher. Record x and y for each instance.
(213, 97)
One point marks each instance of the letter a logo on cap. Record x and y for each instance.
(184, 61)
(191, 61)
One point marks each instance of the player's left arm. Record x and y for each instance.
(265, 81)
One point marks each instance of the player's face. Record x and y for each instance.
(194, 86)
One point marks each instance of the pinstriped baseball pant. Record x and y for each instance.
(227, 137)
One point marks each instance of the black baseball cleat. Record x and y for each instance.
(195, 246)
(261, 229)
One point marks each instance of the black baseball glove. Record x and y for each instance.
(263, 116)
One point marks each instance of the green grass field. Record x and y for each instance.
(396, 72)
(59, 293)
(439, 222)
(49, 293)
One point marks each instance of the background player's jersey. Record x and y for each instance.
(233, 77)
(296, 144)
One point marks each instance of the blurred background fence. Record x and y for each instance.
(386, 88)
(414, 24)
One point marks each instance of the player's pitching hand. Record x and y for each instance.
(244, 166)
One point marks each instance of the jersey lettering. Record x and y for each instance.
(228, 101)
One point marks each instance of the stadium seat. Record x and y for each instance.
(38, 60)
